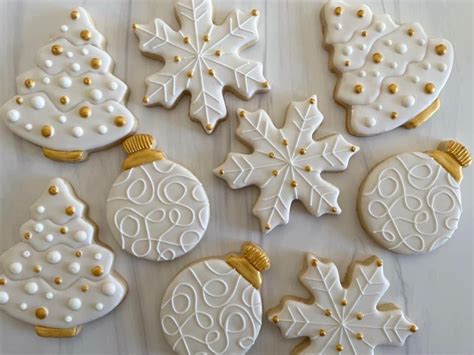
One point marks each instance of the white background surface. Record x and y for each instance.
(435, 290)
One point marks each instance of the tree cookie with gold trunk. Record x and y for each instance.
(157, 209)
(71, 104)
(214, 306)
(411, 202)
(389, 75)
(59, 277)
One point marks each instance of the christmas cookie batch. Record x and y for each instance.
(59, 276)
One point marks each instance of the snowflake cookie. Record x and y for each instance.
(59, 277)
(157, 209)
(71, 104)
(340, 318)
(411, 202)
(390, 75)
(202, 59)
(214, 306)
(287, 163)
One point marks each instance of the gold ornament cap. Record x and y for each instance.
(139, 148)
(452, 156)
(250, 263)
(256, 256)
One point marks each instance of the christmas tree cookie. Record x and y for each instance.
(202, 59)
(342, 317)
(214, 306)
(389, 75)
(157, 209)
(71, 104)
(286, 164)
(59, 277)
(411, 202)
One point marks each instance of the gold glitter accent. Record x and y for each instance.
(209, 127)
(221, 172)
(255, 12)
(413, 328)
(177, 59)
(379, 262)
(96, 63)
(189, 74)
(394, 115)
(85, 112)
(285, 141)
(211, 72)
(338, 11)
(275, 319)
(186, 39)
(322, 332)
(308, 168)
(84, 288)
(64, 100)
(63, 230)
(377, 58)
(271, 155)
(364, 33)
(360, 336)
(360, 13)
(53, 190)
(327, 313)
(19, 100)
(343, 302)
(314, 262)
(393, 88)
(27, 236)
(41, 313)
(70, 210)
(411, 32)
(441, 49)
(268, 226)
(120, 121)
(206, 38)
(430, 88)
(74, 14)
(3, 282)
(97, 271)
(78, 253)
(56, 49)
(339, 347)
(87, 81)
(47, 131)
(218, 53)
(359, 316)
(85, 35)
(37, 269)
(358, 89)
(275, 172)
(146, 100)
(58, 280)
(29, 83)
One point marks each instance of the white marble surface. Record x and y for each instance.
(435, 290)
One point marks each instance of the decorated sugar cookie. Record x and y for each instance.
(411, 202)
(71, 104)
(214, 306)
(157, 209)
(390, 75)
(342, 317)
(202, 59)
(287, 163)
(59, 277)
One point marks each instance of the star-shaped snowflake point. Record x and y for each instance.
(202, 59)
(343, 317)
(286, 164)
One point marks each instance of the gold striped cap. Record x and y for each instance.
(138, 142)
(256, 256)
(458, 152)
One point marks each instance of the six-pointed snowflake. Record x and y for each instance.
(342, 318)
(287, 163)
(202, 59)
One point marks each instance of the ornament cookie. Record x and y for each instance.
(214, 306)
(287, 163)
(71, 104)
(390, 75)
(202, 59)
(342, 317)
(59, 277)
(157, 209)
(411, 202)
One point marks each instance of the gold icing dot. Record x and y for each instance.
(393, 88)
(85, 112)
(27, 236)
(343, 302)
(327, 312)
(3, 282)
(53, 190)
(41, 313)
(97, 270)
(275, 319)
(334, 209)
(87, 81)
(209, 127)
(70, 210)
(360, 13)
(19, 100)
(358, 89)
(275, 172)
(379, 262)
(411, 32)
(221, 172)
(394, 115)
(120, 121)
(189, 74)
(75, 15)
(308, 168)
(177, 59)
(430, 88)
(78, 253)
(85, 35)
(338, 11)
(285, 141)
(271, 155)
(64, 100)
(314, 262)
(302, 151)
(266, 84)
(186, 39)
(47, 131)
(206, 38)
(211, 72)
(359, 336)
(58, 280)
(29, 83)
(255, 12)
(322, 332)
(359, 316)
(377, 58)
(413, 328)
(56, 49)
(96, 63)
(84, 288)
(63, 230)
(364, 33)
(339, 347)
(37, 269)
(218, 53)
(441, 49)
(145, 100)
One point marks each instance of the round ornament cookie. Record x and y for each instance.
(71, 104)
(214, 306)
(59, 277)
(157, 209)
(411, 202)
(342, 317)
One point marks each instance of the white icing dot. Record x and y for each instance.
(49, 295)
(426, 65)
(338, 26)
(75, 67)
(68, 319)
(74, 304)
(401, 48)
(113, 85)
(13, 115)
(370, 122)
(54, 257)
(421, 42)
(38, 227)
(23, 306)
(15, 268)
(408, 101)
(98, 256)
(110, 109)
(84, 51)
(74, 268)
(388, 42)
(442, 67)
(49, 238)
(38, 102)
(415, 79)
(48, 63)
(46, 80)
(102, 129)
(362, 74)
(69, 54)
(26, 254)
(31, 288)
(109, 289)
(40, 209)
(378, 107)
(28, 126)
(393, 65)
(361, 46)
(4, 298)
(80, 236)
(380, 26)
(62, 119)
(95, 94)
(77, 132)
(347, 50)
(64, 28)
(65, 82)
(99, 306)
(375, 73)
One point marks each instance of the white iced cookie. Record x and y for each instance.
(58, 277)
(411, 203)
(389, 75)
(287, 163)
(214, 306)
(71, 104)
(202, 59)
(342, 318)
(157, 209)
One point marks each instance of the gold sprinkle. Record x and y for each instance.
(87, 81)
(411, 32)
(209, 127)
(63, 230)
(29, 83)
(358, 89)
(85, 35)
(285, 141)
(339, 347)
(413, 328)
(308, 168)
(327, 313)
(75, 15)
(364, 33)
(343, 302)
(218, 53)
(85, 112)
(275, 173)
(360, 13)
(120, 121)
(302, 151)
(255, 12)
(377, 58)
(268, 226)
(338, 11)
(211, 72)
(58, 280)
(177, 59)
(359, 316)
(393, 88)
(84, 288)
(275, 319)
(64, 100)
(359, 336)
(27, 236)
(53, 190)
(97, 270)
(186, 39)
(56, 49)
(322, 332)
(334, 209)
(41, 313)
(379, 262)
(78, 253)
(3, 282)
(430, 88)
(394, 115)
(189, 74)
(314, 262)
(271, 155)
(19, 100)
(70, 210)
(47, 131)
(37, 269)
(221, 172)
(96, 63)
(441, 49)
(146, 100)
(206, 38)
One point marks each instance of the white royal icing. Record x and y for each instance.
(410, 204)
(374, 56)
(330, 319)
(274, 166)
(37, 271)
(158, 211)
(209, 308)
(229, 69)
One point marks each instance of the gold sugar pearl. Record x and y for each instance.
(85, 35)
(255, 12)
(314, 262)
(271, 155)
(360, 13)
(394, 115)
(308, 168)
(327, 313)
(206, 38)
(53, 190)
(84, 288)
(146, 100)
(189, 74)
(275, 319)
(211, 72)
(27, 236)
(339, 347)
(312, 101)
(377, 58)
(268, 226)
(63, 230)
(85, 112)
(78, 253)
(359, 316)
(3, 282)
(353, 148)
(70, 210)
(37, 269)
(209, 127)
(413, 328)
(302, 151)
(87, 81)
(19, 100)
(177, 59)
(29, 83)
(97, 270)
(41, 313)
(360, 336)
(358, 89)
(334, 209)
(218, 53)
(441, 49)
(364, 33)
(285, 142)
(96, 63)
(275, 173)
(47, 131)
(242, 114)
(221, 172)
(344, 302)
(322, 332)
(338, 11)
(186, 39)
(57, 49)
(120, 121)
(266, 84)
(347, 63)
(430, 88)
(75, 15)
(393, 88)
(58, 280)
(379, 262)
(64, 100)
(411, 32)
